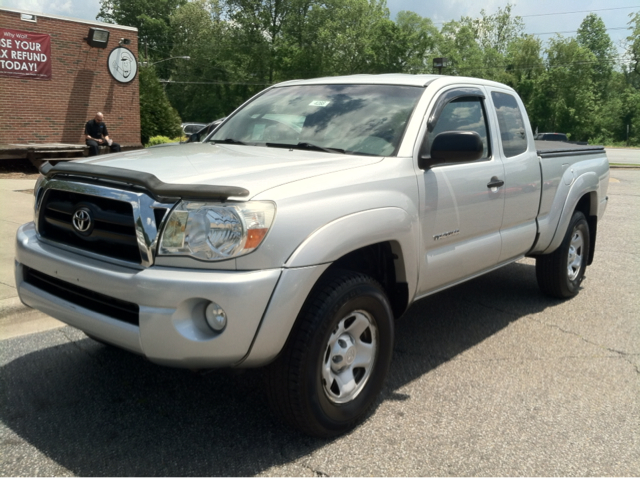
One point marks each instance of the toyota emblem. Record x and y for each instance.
(82, 221)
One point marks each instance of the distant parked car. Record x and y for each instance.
(552, 137)
(202, 133)
(189, 128)
(196, 137)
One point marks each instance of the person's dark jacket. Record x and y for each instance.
(96, 130)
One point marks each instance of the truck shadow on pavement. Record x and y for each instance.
(96, 410)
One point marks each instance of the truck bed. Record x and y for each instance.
(552, 149)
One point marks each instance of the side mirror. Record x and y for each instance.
(454, 147)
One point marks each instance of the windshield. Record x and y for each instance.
(356, 119)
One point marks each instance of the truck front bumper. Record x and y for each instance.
(164, 318)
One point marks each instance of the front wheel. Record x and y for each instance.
(560, 273)
(337, 357)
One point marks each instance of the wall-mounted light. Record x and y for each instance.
(124, 41)
(98, 38)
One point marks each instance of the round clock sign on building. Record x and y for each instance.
(122, 64)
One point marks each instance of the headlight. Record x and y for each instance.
(214, 232)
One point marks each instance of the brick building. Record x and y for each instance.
(54, 109)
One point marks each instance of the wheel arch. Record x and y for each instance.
(391, 260)
(379, 242)
(583, 197)
(383, 261)
(588, 205)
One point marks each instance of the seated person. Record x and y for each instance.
(97, 135)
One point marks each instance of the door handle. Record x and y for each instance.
(495, 182)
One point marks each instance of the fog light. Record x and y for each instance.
(215, 316)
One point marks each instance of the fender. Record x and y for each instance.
(348, 233)
(584, 184)
(314, 256)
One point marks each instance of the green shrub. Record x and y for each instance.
(154, 140)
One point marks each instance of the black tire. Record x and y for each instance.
(298, 393)
(560, 273)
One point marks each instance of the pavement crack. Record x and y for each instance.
(566, 331)
(624, 355)
(316, 472)
(627, 358)
(497, 309)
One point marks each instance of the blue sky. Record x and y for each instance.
(614, 13)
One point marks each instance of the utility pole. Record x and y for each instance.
(439, 63)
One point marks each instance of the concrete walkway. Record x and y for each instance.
(16, 208)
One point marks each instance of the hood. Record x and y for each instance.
(255, 168)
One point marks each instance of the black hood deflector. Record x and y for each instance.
(147, 181)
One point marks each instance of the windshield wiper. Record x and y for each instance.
(227, 140)
(319, 148)
(311, 146)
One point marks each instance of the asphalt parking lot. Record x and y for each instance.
(488, 378)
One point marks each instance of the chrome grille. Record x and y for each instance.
(102, 221)
(113, 231)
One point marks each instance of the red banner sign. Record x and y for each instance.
(25, 54)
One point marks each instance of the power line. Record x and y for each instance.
(575, 31)
(559, 13)
(615, 60)
(213, 83)
(577, 11)
(496, 67)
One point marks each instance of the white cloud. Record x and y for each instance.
(83, 9)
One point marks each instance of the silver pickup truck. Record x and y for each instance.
(304, 226)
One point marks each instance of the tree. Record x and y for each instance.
(478, 47)
(524, 67)
(150, 17)
(634, 43)
(457, 42)
(203, 92)
(565, 95)
(593, 35)
(157, 116)
(497, 31)
(350, 33)
(258, 26)
(418, 36)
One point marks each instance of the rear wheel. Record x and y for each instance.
(337, 357)
(560, 273)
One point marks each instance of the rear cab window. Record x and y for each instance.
(513, 134)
